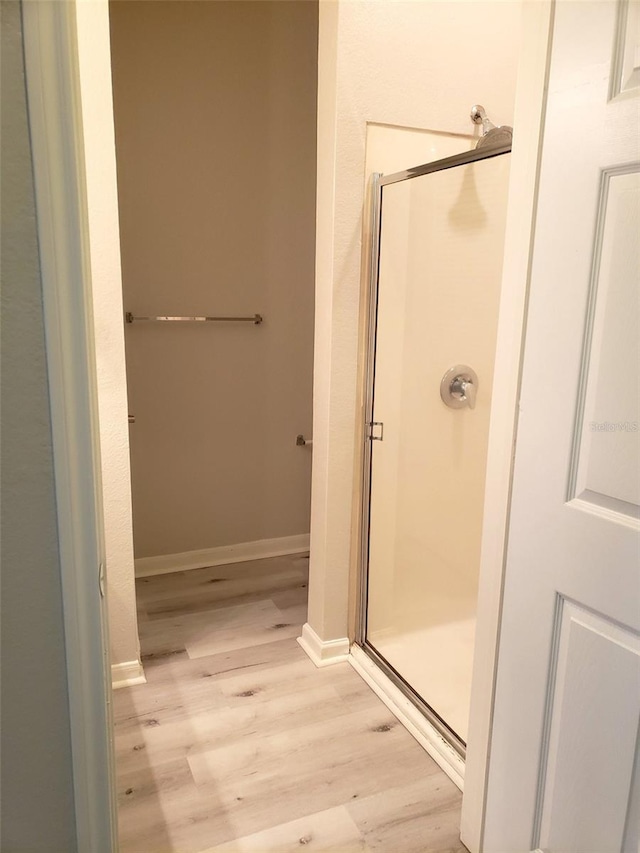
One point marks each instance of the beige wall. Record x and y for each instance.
(215, 135)
(410, 64)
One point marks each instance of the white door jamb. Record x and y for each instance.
(528, 127)
(55, 122)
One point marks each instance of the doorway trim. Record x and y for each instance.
(533, 73)
(53, 44)
(55, 126)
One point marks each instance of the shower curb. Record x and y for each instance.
(416, 724)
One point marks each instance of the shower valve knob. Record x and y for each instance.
(464, 389)
(459, 387)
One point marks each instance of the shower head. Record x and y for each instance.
(492, 136)
(497, 137)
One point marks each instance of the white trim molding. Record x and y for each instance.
(323, 652)
(127, 674)
(521, 207)
(416, 723)
(261, 549)
(55, 124)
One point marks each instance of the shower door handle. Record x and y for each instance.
(459, 387)
(375, 431)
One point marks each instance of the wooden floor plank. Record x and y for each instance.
(170, 666)
(273, 779)
(425, 812)
(333, 829)
(207, 594)
(237, 742)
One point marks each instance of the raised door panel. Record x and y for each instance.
(593, 730)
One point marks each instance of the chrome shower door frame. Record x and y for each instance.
(377, 184)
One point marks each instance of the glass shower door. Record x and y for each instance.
(438, 286)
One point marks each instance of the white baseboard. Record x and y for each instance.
(240, 553)
(127, 674)
(416, 723)
(323, 652)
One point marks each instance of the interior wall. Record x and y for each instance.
(419, 65)
(215, 116)
(37, 786)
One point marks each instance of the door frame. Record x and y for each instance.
(56, 131)
(530, 105)
(51, 59)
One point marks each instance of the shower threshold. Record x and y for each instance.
(431, 732)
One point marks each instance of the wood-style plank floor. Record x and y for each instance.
(237, 743)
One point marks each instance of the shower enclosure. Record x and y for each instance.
(436, 263)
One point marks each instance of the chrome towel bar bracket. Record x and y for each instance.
(256, 319)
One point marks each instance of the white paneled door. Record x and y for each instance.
(564, 771)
